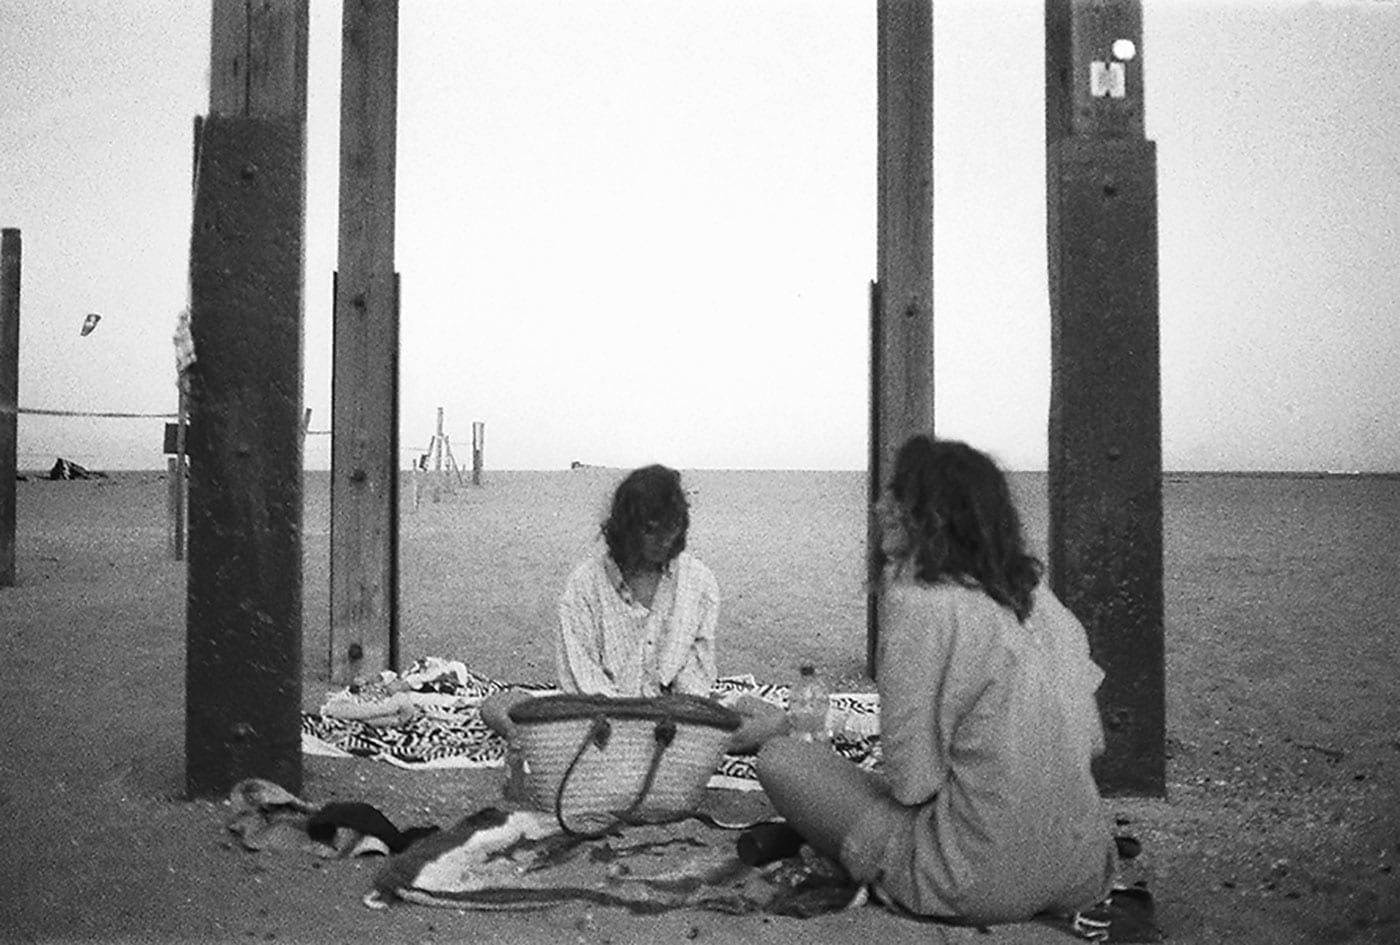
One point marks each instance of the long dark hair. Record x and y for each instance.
(650, 497)
(962, 523)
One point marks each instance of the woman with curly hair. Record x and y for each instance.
(986, 809)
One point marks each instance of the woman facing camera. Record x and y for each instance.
(986, 810)
(639, 617)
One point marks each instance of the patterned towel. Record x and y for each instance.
(446, 730)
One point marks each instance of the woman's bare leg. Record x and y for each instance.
(819, 793)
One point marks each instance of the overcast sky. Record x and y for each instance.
(644, 231)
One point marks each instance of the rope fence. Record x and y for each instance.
(101, 414)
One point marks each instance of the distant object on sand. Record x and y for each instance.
(64, 469)
(577, 465)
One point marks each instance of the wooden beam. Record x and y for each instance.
(243, 634)
(478, 450)
(258, 53)
(1105, 476)
(10, 246)
(902, 320)
(364, 385)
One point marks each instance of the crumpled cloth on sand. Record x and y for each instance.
(265, 816)
(522, 860)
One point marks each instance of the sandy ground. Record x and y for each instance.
(1280, 824)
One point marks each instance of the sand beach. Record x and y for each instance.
(1280, 824)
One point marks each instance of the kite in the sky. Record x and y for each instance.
(90, 323)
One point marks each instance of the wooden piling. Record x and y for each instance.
(243, 656)
(437, 444)
(174, 505)
(365, 361)
(902, 325)
(180, 481)
(478, 450)
(1105, 458)
(10, 252)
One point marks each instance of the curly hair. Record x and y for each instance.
(650, 497)
(962, 523)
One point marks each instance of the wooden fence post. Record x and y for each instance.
(243, 634)
(175, 474)
(478, 450)
(437, 444)
(174, 504)
(10, 245)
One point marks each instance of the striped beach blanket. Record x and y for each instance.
(443, 727)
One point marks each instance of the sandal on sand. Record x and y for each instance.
(1127, 915)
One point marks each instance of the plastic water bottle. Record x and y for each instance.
(807, 705)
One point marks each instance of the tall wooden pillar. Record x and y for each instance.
(901, 300)
(10, 244)
(365, 374)
(1105, 455)
(243, 635)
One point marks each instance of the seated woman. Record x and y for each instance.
(639, 618)
(987, 810)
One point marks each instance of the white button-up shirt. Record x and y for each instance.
(610, 644)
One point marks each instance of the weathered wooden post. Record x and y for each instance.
(478, 450)
(437, 444)
(182, 482)
(174, 507)
(1105, 455)
(243, 636)
(365, 360)
(901, 344)
(175, 467)
(10, 245)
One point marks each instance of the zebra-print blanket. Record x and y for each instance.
(446, 730)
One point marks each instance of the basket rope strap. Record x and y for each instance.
(599, 731)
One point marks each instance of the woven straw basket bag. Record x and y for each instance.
(601, 759)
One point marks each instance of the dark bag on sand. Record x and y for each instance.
(605, 759)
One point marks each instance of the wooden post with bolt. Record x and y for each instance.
(365, 381)
(901, 344)
(243, 634)
(1105, 453)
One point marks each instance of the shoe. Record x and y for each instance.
(766, 843)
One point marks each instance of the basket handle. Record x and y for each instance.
(599, 731)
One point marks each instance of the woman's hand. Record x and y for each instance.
(762, 720)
